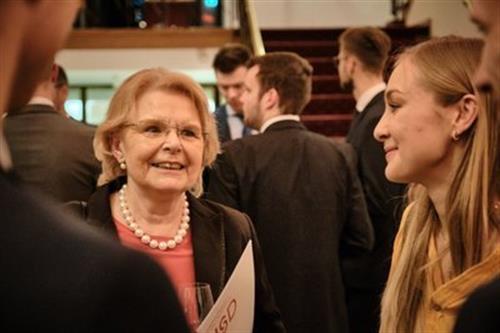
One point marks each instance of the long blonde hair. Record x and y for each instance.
(446, 66)
(124, 101)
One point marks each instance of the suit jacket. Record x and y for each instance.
(52, 153)
(383, 197)
(480, 311)
(59, 275)
(219, 235)
(223, 126)
(296, 187)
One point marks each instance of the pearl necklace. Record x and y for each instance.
(147, 239)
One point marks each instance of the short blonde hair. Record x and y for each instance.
(124, 101)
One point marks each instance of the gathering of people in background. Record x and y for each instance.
(395, 228)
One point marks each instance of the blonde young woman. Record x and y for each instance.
(440, 134)
(156, 139)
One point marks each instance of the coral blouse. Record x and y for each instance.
(178, 263)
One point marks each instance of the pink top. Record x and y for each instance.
(178, 263)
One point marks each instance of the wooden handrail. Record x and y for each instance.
(150, 38)
(249, 27)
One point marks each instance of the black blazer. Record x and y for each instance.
(52, 153)
(59, 275)
(297, 188)
(384, 200)
(219, 235)
(480, 312)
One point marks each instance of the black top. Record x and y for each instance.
(481, 312)
(59, 275)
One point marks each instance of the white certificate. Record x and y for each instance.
(234, 309)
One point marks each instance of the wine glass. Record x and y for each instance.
(197, 300)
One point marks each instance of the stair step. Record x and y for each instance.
(396, 33)
(323, 65)
(310, 49)
(326, 84)
(330, 110)
(330, 104)
(306, 43)
(329, 125)
(301, 34)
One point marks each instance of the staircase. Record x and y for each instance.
(330, 110)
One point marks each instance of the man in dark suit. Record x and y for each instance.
(297, 188)
(230, 69)
(51, 152)
(57, 275)
(363, 53)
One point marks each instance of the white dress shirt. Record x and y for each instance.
(368, 95)
(282, 117)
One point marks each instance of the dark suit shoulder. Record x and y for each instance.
(60, 275)
(480, 311)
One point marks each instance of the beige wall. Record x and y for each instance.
(448, 16)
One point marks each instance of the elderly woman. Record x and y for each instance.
(154, 143)
(441, 134)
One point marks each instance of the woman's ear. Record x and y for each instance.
(117, 148)
(468, 109)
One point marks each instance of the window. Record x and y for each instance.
(89, 104)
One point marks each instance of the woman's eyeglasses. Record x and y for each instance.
(155, 129)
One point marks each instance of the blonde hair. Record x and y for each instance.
(124, 101)
(446, 67)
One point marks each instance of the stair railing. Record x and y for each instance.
(249, 27)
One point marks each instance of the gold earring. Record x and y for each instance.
(455, 135)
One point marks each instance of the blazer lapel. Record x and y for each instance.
(208, 245)
(99, 207)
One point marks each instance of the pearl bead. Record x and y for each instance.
(146, 239)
